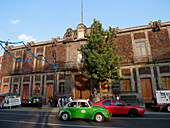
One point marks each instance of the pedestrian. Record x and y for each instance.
(31, 99)
(108, 97)
(59, 103)
(55, 101)
(154, 101)
(37, 100)
(62, 102)
(70, 99)
(117, 97)
(51, 99)
(66, 100)
(49, 102)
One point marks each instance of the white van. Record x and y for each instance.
(10, 100)
(163, 99)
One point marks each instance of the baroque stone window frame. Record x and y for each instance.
(148, 47)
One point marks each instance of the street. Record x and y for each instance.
(46, 119)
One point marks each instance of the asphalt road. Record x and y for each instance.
(40, 119)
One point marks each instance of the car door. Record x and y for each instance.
(119, 108)
(72, 107)
(107, 105)
(83, 110)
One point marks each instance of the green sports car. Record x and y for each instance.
(83, 110)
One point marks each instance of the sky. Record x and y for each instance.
(42, 20)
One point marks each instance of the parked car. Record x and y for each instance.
(117, 107)
(82, 109)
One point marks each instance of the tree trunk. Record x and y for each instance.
(100, 90)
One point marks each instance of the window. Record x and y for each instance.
(5, 89)
(82, 105)
(80, 33)
(166, 82)
(17, 66)
(72, 104)
(127, 85)
(107, 102)
(39, 64)
(105, 87)
(79, 57)
(117, 103)
(61, 87)
(141, 49)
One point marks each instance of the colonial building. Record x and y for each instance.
(146, 66)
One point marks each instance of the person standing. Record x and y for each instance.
(70, 98)
(117, 97)
(49, 102)
(31, 99)
(62, 100)
(59, 103)
(55, 101)
(51, 99)
(66, 100)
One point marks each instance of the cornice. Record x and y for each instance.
(67, 40)
(141, 27)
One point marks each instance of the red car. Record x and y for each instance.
(117, 107)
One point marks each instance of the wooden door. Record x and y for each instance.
(25, 93)
(49, 91)
(82, 88)
(146, 90)
(5, 89)
(37, 86)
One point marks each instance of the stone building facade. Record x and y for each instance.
(146, 66)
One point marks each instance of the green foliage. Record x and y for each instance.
(100, 62)
(37, 95)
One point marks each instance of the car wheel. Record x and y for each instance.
(64, 116)
(168, 108)
(99, 117)
(133, 113)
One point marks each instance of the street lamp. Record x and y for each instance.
(54, 85)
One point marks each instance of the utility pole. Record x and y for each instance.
(54, 85)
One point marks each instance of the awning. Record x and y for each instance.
(9, 94)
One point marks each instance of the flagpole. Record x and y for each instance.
(82, 11)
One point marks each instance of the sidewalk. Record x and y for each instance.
(44, 108)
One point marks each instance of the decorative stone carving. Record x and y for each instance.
(29, 44)
(68, 33)
(116, 31)
(156, 25)
(9, 48)
(55, 41)
(81, 31)
(75, 34)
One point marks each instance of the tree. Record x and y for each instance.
(99, 57)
